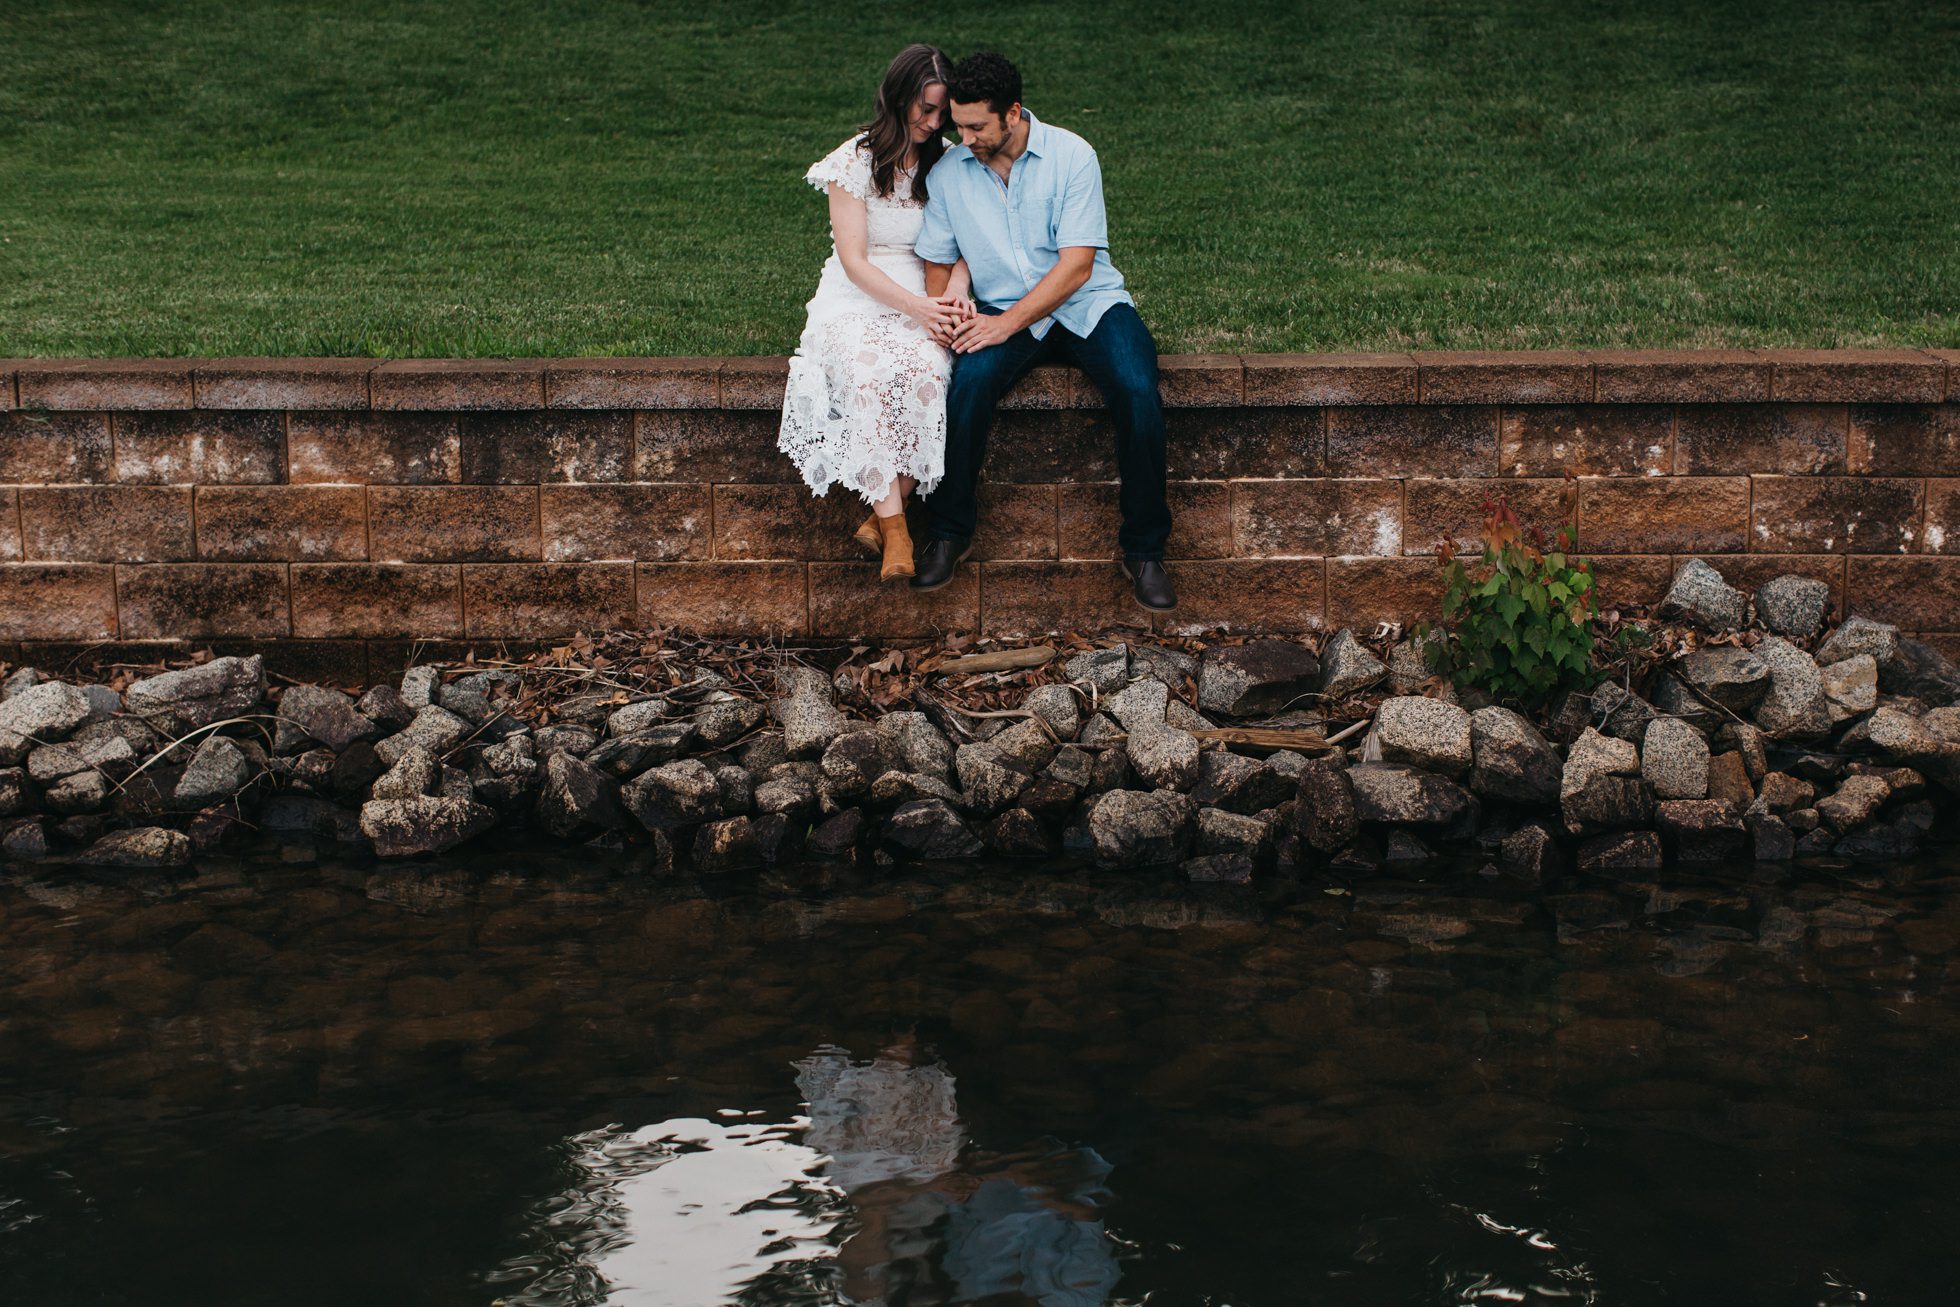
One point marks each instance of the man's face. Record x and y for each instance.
(982, 130)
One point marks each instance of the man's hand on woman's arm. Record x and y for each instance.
(985, 330)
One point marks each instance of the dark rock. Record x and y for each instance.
(1818, 768)
(775, 838)
(1860, 635)
(853, 761)
(1919, 669)
(1620, 852)
(1402, 848)
(1347, 668)
(104, 751)
(416, 772)
(1163, 756)
(1425, 733)
(577, 798)
(1358, 857)
(1905, 783)
(643, 715)
(1701, 830)
(1018, 833)
(1136, 828)
(1219, 869)
(1672, 698)
(1607, 803)
(1225, 780)
(198, 696)
(1857, 801)
(145, 846)
(725, 846)
(1049, 799)
(564, 737)
(1219, 831)
(725, 718)
(1532, 852)
(26, 841)
(1770, 839)
(1510, 760)
(1802, 820)
(217, 771)
(1621, 713)
(929, 829)
(923, 746)
(629, 755)
(1883, 841)
(384, 706)
(1324, 814)
(737, 790)
(674, 794)
(1793, 606)
(1728, 780)
(422, 824)
(310, 713)
(313, 770)
(792, 796)
(989, 783)
(1401, 796)
(1170, 666)
(1077, 767)
(1725, 674)
(761, 752)
(71, 795)
(839, 834)
(1747, 741)
(14, 794)
(307, 814)
(1028, 745)
(1260, 676)
(1700, 595)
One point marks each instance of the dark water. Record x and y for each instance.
(537, 1079)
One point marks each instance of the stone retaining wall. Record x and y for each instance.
(337, 513)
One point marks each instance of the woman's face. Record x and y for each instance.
(928, 113)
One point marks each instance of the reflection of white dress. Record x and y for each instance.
(866, 398)
(879, 1121)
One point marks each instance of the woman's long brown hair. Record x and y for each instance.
(889, 132)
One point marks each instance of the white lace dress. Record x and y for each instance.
(866, 398)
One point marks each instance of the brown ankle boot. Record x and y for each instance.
(868, 535)
(898, 547)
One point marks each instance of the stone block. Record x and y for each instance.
(1453, 510)
(81, 524)
(847, 600)
(55, 448)
(377, 448)
(1913, 594)
(1016, 522)
(546, 599)
(201, 448)
(1088, 518)
(786, 522)
(691, 445)
(1315, 518)
(442, 524)
(754, 383)
(1942, 531)
(643, 523)
(282, 523)
(718, 598)
(104, 383)
(1537, 376)
(1676, 515)
(633, 383)
(10, 545)
(1667, 376)
(367, 600)
(1224, 444)
(1734, 439)
(1859, 376)
(1364, 592)
(1243, 594)
(57, 601)
(1045, 445)
(1843, 515)
(193, 600)
(1050, 387)
(1623, 579)
(458, 384)
(1037, 598)
(1319, 379)
(1904, 439)
(1588, 440)
(1412, 441)
(1199, 380)
(528, 448)
(270, 384)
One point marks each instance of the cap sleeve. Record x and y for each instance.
(848, 165)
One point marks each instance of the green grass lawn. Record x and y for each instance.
(445, 177)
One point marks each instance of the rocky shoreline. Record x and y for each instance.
(1759, 734)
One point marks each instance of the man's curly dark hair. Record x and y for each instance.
(986, 76)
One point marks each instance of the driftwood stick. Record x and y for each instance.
(998, 660)
(1266, 737)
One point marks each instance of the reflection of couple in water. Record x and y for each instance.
(938, 1219)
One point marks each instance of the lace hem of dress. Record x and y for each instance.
(861, 446)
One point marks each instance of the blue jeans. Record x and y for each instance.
(1121, 359)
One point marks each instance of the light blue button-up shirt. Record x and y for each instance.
(1012, 233)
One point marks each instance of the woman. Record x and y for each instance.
(865, 406)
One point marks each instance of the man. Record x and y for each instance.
(1022, 203)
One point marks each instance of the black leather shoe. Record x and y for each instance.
(938, 561)
(1152, 584)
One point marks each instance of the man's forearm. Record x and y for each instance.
(937, 276)
(1062, 281)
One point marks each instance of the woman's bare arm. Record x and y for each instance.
(849, 228)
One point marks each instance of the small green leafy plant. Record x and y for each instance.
(1518, 624)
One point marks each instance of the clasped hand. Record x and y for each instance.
(942, 315)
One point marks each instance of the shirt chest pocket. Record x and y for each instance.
(1038, 217)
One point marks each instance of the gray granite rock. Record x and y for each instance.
(197, 696)
(1674, 760)
(1405, 797)
(1510, 760)
(1136, 828)
(1108, 670)
(898, 787)
(857, 759)
(313, 713)
(1851, 685)
(1795, 707)
(1057, 706)
(85, 791)
(434, 728)
(1700, 595)
(1793, 606)
(922, 745)
(1346, 666)
(1406, 669)
(41, 714)
(91, 749)
(420, 686)
(417, 771)
(576, 798)
(810, 720)
(142, 846)
(1857, 801)
(1532, 852)
(1170, 666)
(1324, 814)
(1186, 718)
(1028, 744)
(23, 678)
(1164, 757)
(1218, 831)
(636, 717)
(1701, 830)
(1860, 635)
(217, 770)
(422, 824)
(1918, 669)
(384, 706)
(988, 782)
(1730, 676)
(931, 830)
(1621, 713)
(1426, 733)
(680, 793)
(1242, 785)
(1258, 677)
(1139, 704)
(723, 718)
